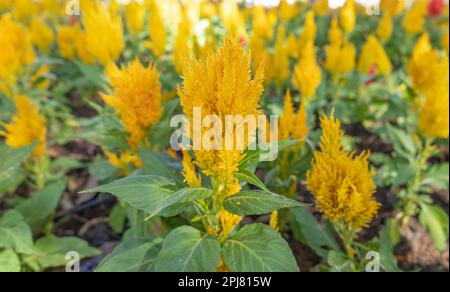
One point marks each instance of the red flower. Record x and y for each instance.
(436, 7)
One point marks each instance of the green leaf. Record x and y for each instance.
(131, 256)
(253, 157)
(338, 262)
(437, 176)
(251, 178)
(15, 233)
(51, 251)
(258, 248)
(307, 230)
(42, 203)
(102, 169)
(435, 220)
(185, 249)
(146, 193)
(10, 167)
(117, 218)
(9, 262)
(257, 203)
(186, 195)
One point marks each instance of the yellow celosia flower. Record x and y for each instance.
(309, 32)
(228, 222)
(273, 222)
(321, 7)
(385, 28)
(67, 36)
(81, 48)
(287, 118)
(181, 48)
(23, 9)
(41, 34)
(157, 32)
(280, 58)
(134, 15)
(434, 114)
(16, 52)
(393, 7)
(414, 19)
(307, 73)
(288, 11)
(51, 8)
(342, 183)
(335, 33)
(348, 16)
(207, 85)
(373, 56)
(5, 4)
(426, 66)
(123, 160)
(39, 78)
(208, 10)
(136, 98)
(27, 126)
(340, 57)
(444, 41)
(292, 46)
(232, 18)
(262, 26)
(300, 131)
(104, 34)
(189, 173)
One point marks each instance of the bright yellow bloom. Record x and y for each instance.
(27, 126)
(232, 18)
(385, 28)
(321, 7)
(136, 98)
(16, 51)
(335, 33)
(288, 11)
(292, 46)
(228, 222)
(307, 73)
(67, 36)
(39, 78)
(124, 160)
(280, 58)
(81, 48)
(51, 8)
(309, 32)
(287, 118)
(260, 55)
(273, 222)
(5, 4)
(414, 19)
(340, 57)
(444, 41)
(300, 130)
(23, 9)
(348, 16)
(181, 48)
(342, 183)
(189, 173)
(41, 34)
(373, 56)
(434, 114)
(262, 26)
(134, 15)
(393, 7)
(426, 66)
(157, 32)
(104, 34)
(207, 86)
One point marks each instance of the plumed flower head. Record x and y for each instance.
(27, 126)
(134, 15)
(221, 85)
(340, 57)
(385, 28)
(394, 7)
(342, 183)
(414, 19)
(136, 97)
(348, 16)
(307, 73)
(104, 34)
(41, 34)
(373, 56)
(309, 32)
(67, 36)
(281, 58)
(434, 113)
(157, 31)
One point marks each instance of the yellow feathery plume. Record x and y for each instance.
(181, 48)
(27, 126)
(134, 15)
(81, 48)
(373, 56)
(340, 57)
(41, 35)
(444, 41)
(189, 173)
(287, 118)
(280, 58)
(300, 130)
(262, 26)
(348, 16)
(335, 33)
(273, 221)
(434, 114)
(207, 86)
(414, 19)
(385, 28)
(233, 19)
(136, 97)
(104, 34)
(67, 36)
(23, 9)
(307, 73)
(292, 46)
(426, 66)
(123, 160)
(228, 222)
(342, 183)
(288, 11)
(393, 7)
(321, 7)
(157, 32)
(309, 32)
